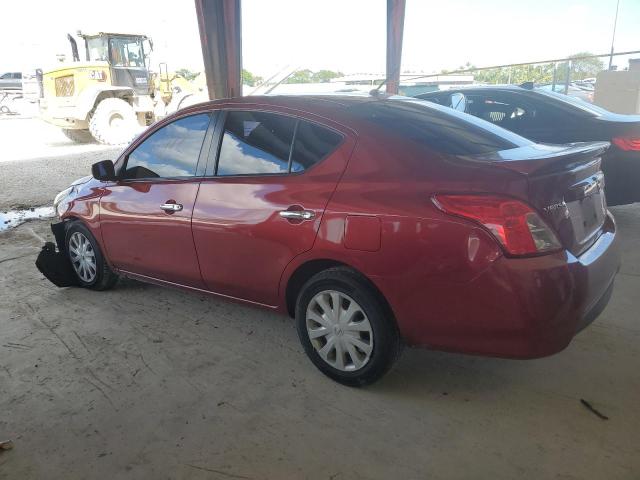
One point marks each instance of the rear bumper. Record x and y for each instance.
(517, 308)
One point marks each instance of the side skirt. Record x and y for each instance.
(166, 283)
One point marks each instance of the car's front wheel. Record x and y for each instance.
(87, 260)
(345, 328)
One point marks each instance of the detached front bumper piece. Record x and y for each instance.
(54, 263)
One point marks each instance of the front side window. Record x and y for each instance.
(171, 151)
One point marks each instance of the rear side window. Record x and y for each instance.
(439, 128)
(312, 144)
(259, 143)
(501, 110)
(171, 151)
(255, 143)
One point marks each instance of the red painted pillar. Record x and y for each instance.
(220, 27)
(395, 29)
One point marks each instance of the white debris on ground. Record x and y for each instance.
(13, 218)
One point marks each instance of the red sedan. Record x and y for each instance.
(373, 220)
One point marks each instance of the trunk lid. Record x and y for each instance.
(565, 185)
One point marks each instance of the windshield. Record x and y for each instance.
(573, 101)
(126, 52)
(97, 49)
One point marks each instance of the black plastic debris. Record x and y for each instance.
(55, 265)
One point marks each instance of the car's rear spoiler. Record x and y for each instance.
(543, 158)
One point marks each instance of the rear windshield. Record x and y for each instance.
(439, 128)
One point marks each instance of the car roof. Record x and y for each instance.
(338, 101)
(331, 106)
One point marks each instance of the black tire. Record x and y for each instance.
(78, 136)
(104, 277)
(113, 122)
(386, 339)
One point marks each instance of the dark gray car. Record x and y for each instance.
(549, 117)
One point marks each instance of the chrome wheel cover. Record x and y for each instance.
(83, 257)
(339, 330)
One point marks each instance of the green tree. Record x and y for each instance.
(324, 76)
(186, 74)
(543, 73)
(300, 76)
(250, 79)
(581, 68)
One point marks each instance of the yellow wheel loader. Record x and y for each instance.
(110, 95)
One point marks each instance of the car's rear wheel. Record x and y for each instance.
(87, 260)
(345, 328)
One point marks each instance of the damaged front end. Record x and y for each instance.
(53, 262)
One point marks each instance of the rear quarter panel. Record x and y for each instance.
(420, 249)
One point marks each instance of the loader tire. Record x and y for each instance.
(78, 136)
(113, 122)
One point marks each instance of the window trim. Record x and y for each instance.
(219, 135)
(200, 164)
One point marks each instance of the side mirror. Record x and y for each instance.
(104, 171)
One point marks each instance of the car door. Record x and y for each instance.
(263, 200)
(145, 216)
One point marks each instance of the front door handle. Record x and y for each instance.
(298, 214)
(171, 207)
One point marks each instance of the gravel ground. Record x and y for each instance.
(37, 161)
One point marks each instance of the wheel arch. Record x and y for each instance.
(89, 99)
(309, 268)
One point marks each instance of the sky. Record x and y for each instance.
(341, 35)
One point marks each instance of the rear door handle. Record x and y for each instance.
(298, 214)
(171, 207)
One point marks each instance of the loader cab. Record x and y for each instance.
(127, 56)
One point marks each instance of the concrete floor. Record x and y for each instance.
(149, 383)
(146, 382)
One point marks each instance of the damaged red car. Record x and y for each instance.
(374, 221)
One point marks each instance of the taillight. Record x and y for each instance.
(627, 143)
(516, 226)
